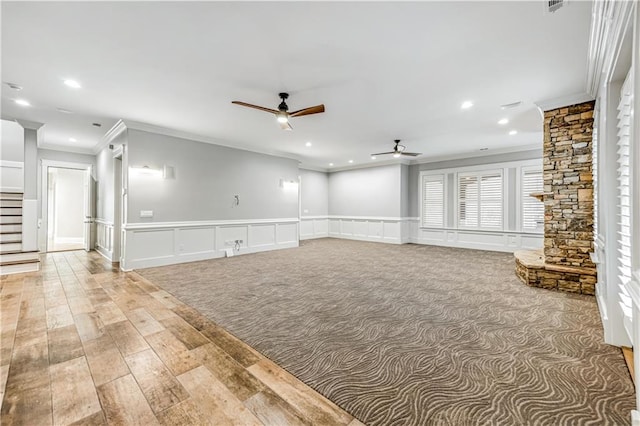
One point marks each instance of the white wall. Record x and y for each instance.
(11, 157)
(12, 141)
(368, 192)
(314, 192)
(68, 205)
(207, 177)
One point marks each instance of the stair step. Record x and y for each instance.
(8, 228)
(10, 247)
(11, 211)
(19, 257)
(10, 203)
(19, 267)
(10, 219)
(11, 195)
(14, 237)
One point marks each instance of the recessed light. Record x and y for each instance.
(330, 164)
(484, 149)
(73, 140)
(96, 124)
(72, 83)
(503, 121)
(466, 105)
(373, 157)
(350, 161)
(513, 132)
(308, 144)
(66, 111)
(22, 102)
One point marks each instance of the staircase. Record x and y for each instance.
(12, 259)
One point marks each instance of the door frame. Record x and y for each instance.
(43, 222)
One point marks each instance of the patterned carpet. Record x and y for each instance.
(416, 335)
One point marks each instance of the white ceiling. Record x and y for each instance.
(384, 70)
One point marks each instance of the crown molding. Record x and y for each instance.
(609, 21)
(26, 124)
(108, 137)
(312, 168)
(563, 101)
(152, 128)
(374, 163)
(63, 148)
(479, 154)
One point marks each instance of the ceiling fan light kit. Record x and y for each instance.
(398, 151)
(282, 113)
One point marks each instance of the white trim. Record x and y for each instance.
(486, 167)
(12, 164)
(201, 223)
(479, 154)
(151, 128)
(379, 218)
(66, 148)
(111, 134)
(149, 244)
(44, 193)
(609, 23)
(564, 101)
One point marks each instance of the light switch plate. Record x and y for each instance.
(146, 213)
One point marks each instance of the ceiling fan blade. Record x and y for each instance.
(286, 126)
(411, 154)
(384, 153)
(307, 111)
(273, 111)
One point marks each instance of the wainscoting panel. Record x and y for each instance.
(193, 241)
(104, 238)
(393, 230)
(262, 235)
(152, 244)
(482, 240)
(227, 235)
(287, 233)
(314, 227)
(156, 244)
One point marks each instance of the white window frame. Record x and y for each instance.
(445, 187)
(522, 196)
(479, 174)
(508, 205)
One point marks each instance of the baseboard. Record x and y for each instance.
(105, 253)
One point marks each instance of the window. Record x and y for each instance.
(480, 200)
(624, 202)
(433, 201)
(532, 209)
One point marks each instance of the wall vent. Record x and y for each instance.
(551, 6)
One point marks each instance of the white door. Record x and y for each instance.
(89, 211)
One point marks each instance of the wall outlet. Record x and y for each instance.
(238, 241)
(146, 213)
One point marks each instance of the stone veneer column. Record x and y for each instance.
(568, 185)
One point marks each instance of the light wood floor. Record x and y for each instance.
(83, 343)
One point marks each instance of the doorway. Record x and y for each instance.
(65, 208)
(68, 206)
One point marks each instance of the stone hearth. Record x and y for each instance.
(564, 264)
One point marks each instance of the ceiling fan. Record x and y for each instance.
(282, 113)
(399, 150)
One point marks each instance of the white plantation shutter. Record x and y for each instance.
(624, 202)
(433, 201)
(480, 200)
(532, 209)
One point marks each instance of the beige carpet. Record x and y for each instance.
(415, 335)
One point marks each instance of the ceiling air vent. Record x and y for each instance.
(551, 6)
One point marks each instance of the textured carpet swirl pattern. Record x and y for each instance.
(416, 335)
